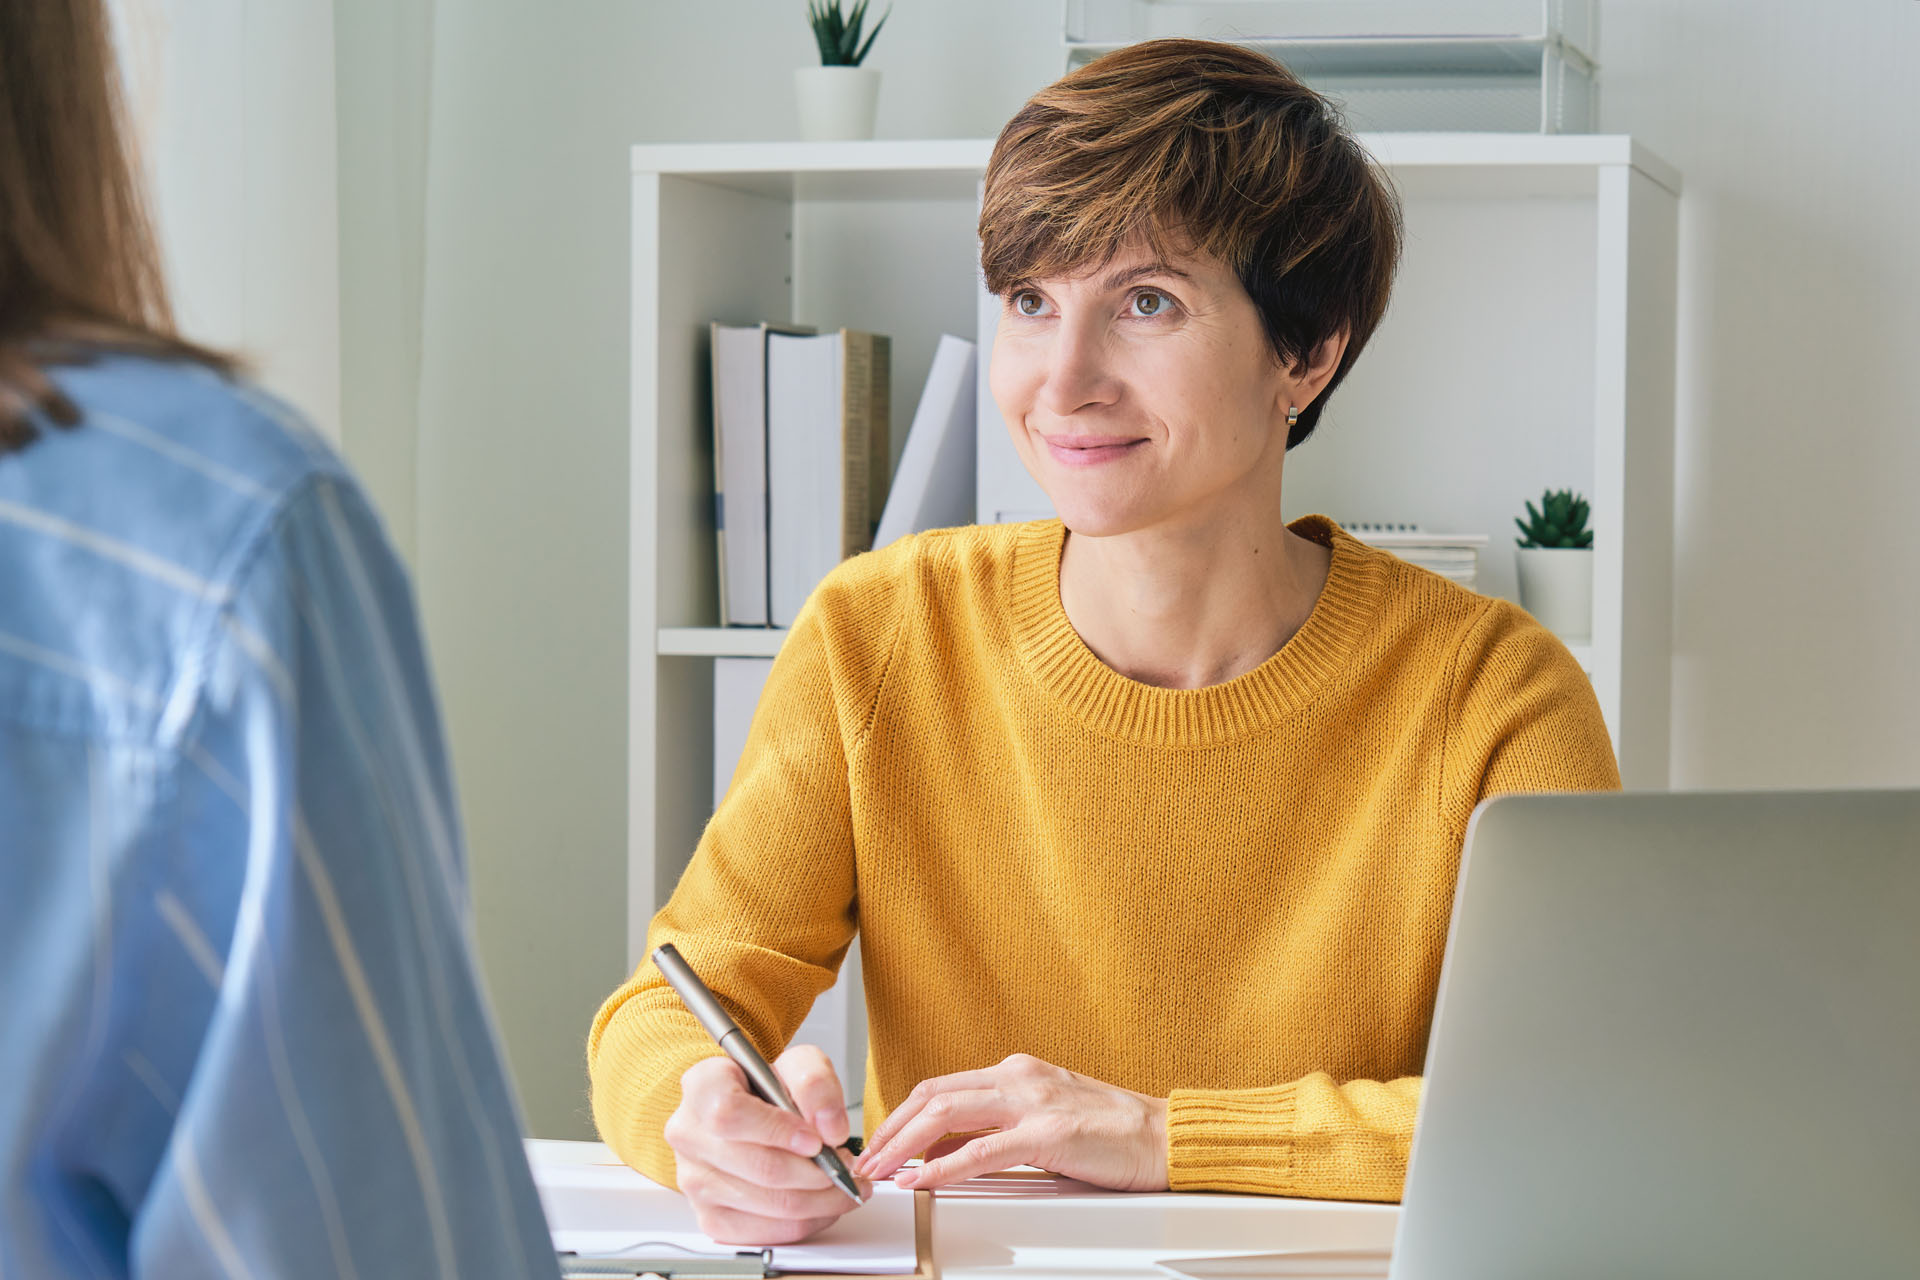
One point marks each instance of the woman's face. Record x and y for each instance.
(1143, 394)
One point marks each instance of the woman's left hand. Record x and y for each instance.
(1036, 1114)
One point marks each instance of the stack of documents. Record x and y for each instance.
(827, 457)
(1455, 556)
(801, 458)
(801, 461)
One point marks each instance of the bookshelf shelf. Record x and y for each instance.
(1530, 345)
(1541, 164)
(719, 642)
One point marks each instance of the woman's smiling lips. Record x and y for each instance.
(1090, 451)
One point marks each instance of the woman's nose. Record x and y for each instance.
(1078, 370)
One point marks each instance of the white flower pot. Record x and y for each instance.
(836, 103)
(1556, 587)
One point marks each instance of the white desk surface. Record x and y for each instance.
(999, 1230)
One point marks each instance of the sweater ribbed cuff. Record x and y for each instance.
(1232, 1140)
(630, 1110)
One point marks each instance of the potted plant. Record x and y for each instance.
(837, 97)
(1556, 565)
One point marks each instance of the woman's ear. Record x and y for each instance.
(1309, 377)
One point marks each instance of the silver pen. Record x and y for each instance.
(728, 1035)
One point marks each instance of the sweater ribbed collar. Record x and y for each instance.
(1111, 703)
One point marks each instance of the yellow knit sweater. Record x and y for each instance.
(1234, 897)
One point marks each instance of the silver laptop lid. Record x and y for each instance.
(1677, 1035)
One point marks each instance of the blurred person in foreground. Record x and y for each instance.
(241, 1029)
(1147, 817)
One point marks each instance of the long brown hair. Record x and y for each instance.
(79, 270)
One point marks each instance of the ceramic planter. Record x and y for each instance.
(836, 103)
(1556, 586)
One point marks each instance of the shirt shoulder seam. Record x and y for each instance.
(1454, 675)
(205, 643)
(894, 644)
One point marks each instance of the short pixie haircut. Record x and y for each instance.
(1192, 144)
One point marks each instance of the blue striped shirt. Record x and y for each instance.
(241, 1029)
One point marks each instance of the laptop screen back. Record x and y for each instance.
(1677, 1035)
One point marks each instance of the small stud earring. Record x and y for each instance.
(1293, 416)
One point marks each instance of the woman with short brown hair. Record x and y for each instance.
(1147, 817)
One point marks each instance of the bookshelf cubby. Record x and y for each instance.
(1530, 344)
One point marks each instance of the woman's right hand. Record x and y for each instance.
(747, 1166)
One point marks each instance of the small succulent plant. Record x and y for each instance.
(1560, 521)
(838, 34)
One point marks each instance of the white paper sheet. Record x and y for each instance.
(610, 1209)
(1304, 1264)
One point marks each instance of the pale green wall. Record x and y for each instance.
(1795, 548)
(383, 53)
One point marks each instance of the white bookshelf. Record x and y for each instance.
(1530, 344)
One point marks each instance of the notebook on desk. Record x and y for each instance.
(599, 1208)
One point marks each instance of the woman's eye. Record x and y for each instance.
(1149, 303)
(1027, 304)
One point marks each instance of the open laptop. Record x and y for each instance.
(1677, 1036)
